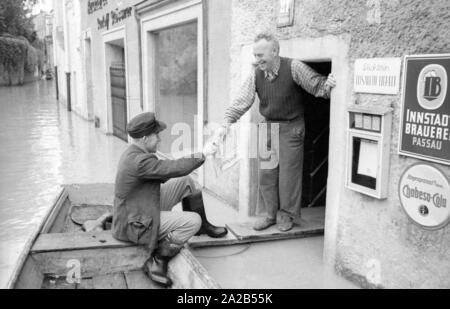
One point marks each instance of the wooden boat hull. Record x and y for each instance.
(62, 256)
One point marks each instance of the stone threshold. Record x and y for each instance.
(311, 224)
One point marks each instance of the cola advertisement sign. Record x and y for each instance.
(425, 118)
(424, 193)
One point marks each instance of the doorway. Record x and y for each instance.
(317, 128)
(116, 87)
(118, 100)
(316, 149)
(315, 173)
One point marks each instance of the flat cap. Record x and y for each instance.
(144, 124)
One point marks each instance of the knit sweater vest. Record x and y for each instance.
(280, 99)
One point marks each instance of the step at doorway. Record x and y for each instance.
(311, 224)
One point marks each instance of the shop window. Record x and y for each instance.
(176, 84)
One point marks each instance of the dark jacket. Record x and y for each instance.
(137, 193)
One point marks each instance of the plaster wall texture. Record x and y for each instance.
(369, 241)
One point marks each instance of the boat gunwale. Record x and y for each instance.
(62, 196)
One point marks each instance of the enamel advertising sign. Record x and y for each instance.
(424, 193)
(425, 119)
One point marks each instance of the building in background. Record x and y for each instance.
(43, 24)
(185, 61)
(28, 50)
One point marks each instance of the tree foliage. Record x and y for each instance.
(19, 46)
(15, 18)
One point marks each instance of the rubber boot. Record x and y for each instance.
(156, 267)
(194, 203)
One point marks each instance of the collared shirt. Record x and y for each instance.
(272, 74)
(303, 75)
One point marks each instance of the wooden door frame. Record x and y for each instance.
(118, 33)
(119, 131)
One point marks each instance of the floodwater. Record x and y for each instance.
(41, 147)
(282, 264)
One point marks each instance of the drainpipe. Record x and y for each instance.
(141, 90)
(69, 96)
(56, 82)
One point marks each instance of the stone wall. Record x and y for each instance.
(370, 236)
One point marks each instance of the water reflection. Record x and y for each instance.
(41, 147)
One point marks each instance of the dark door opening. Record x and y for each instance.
(119, 100)
(315, 165)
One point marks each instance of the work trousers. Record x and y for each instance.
(181, 225)
(280, 174)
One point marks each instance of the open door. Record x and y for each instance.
(317, 122)
(119, 100)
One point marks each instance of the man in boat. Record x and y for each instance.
(280, 84)
(147, 189)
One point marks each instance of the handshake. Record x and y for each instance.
(212, 146)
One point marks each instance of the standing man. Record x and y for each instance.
(280, 84)
(147, 189)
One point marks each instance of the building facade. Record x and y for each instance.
(43, 24)
(185, 60)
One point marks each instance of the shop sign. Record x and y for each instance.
(377, 75)
(95, 5)
(425, 116)
(115, 17)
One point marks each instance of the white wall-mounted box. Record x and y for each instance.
(368, 150)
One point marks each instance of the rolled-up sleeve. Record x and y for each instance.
(149, 167)
(243, 101)
(310, 80)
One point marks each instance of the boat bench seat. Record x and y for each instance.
(77, 241)
(100, 254)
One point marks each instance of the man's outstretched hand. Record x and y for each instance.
(210, 149)
(217, 139)
(220, 133)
